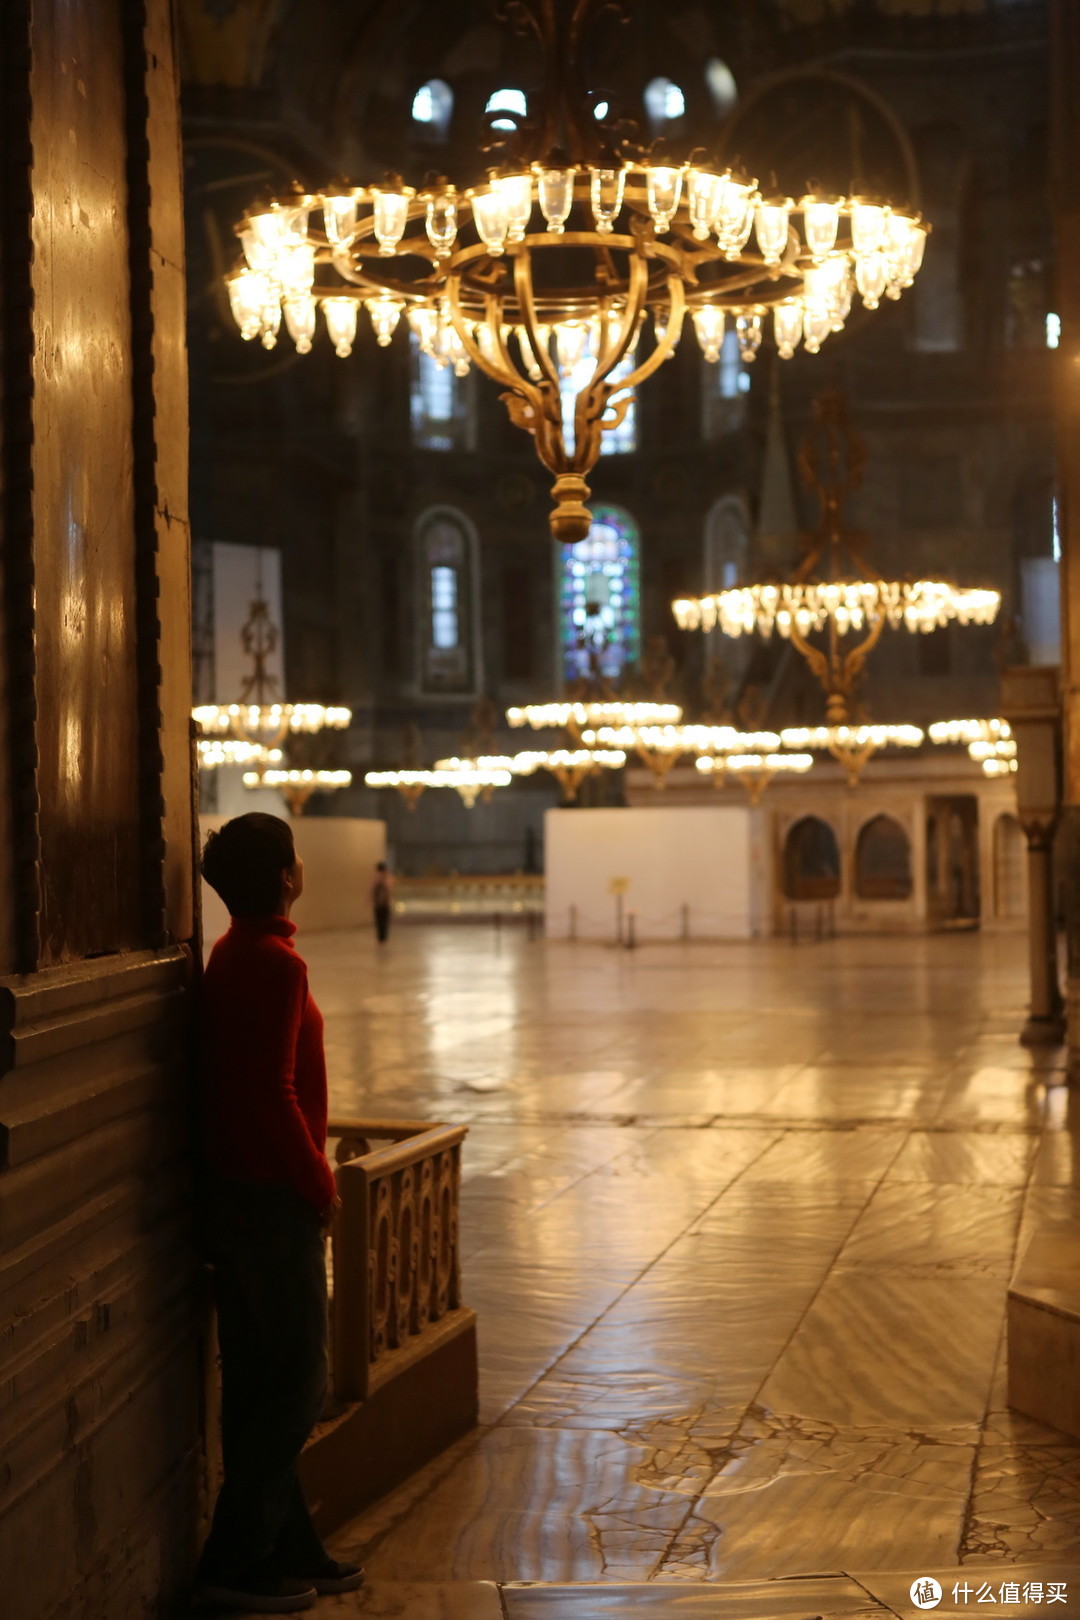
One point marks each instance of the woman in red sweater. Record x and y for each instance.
(269, 1197)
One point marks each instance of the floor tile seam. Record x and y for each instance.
(977, 1455)
(878, 1602)
(977, 1450)
(568, 1350)
(755, 1398)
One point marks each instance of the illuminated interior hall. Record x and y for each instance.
(605, 477)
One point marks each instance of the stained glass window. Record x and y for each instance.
(615, 441)
(599, 598)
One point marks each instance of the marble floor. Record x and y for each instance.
(738, 1222)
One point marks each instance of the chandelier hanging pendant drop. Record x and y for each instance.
(623, 234)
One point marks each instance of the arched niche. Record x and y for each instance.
(883, 861)
(811, 861)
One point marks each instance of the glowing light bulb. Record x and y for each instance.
(340, 316)
(385, 313)
(867, 227)
(339, 218)
(664, 189)
(702, 195)
(606, 188)
(248, 294)
(391, 209)
(517, 195)
(442, 223)
(871, 276)
(556, 191)
(300, 322)
(748, 329)
(709, 325)
(491, 217)
(821, 221)
(771, 226)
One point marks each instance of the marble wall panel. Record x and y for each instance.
(85, 594)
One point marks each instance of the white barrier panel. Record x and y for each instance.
(339, 854)
(686, 872)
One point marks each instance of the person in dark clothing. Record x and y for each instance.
(268, 1197)
(382, 901)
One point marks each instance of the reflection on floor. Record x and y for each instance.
(738, 1223)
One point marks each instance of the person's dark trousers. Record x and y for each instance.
(382, 923)
(266, 1248)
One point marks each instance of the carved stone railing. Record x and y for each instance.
(397, 1280)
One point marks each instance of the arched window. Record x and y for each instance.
(883, 861)
(811, 861)
(721, 86)
(447, 551)
(433, 105)
(506, 101)
(664, 101)
(724, 385)
(727, 539)
(615, 441)
(599, 598)
(438, 403)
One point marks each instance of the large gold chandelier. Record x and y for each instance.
(835, 596)
(252, 731)
(557, 303)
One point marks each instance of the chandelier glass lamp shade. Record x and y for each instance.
(753, 771)
(261, 725)
(576, 717)
(469, 778)
(660, 747)
(836, 607)
(572, 240)
(216, 751)
(852, 746)
(989, 742)
(569, 766)
(297, 786)
(411, 784)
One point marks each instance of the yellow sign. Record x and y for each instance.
(618, 885)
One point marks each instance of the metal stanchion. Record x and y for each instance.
(685, 921)
(618, 919)
(571, 932)
(631, 930)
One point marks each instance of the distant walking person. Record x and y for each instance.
(268, 1198)
(382, 900)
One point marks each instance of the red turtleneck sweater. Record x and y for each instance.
(263, 1069)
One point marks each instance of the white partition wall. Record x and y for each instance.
(688, 871)
(339, 854)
